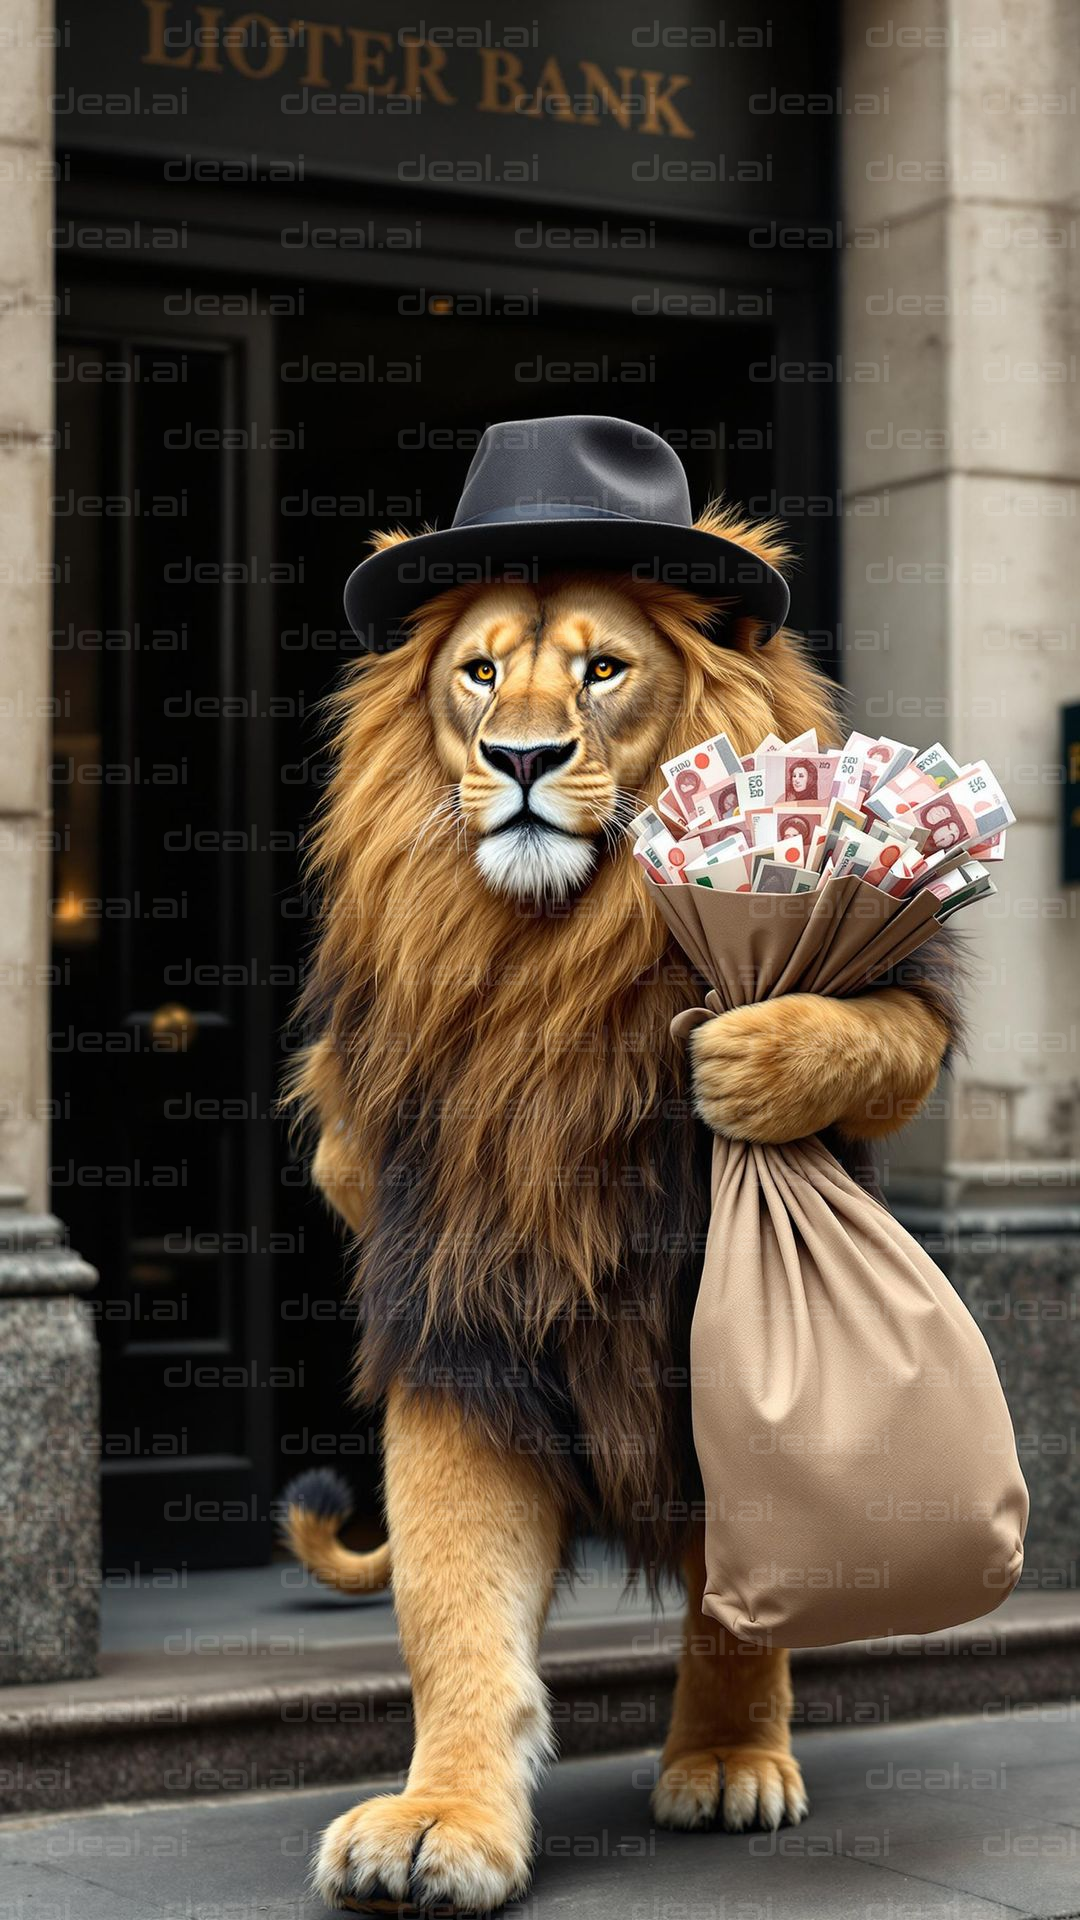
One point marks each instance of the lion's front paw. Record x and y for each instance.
(776, 1071)
(756, 1788)
(426, 1852)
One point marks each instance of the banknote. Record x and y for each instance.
(716, 804)
(968, 881)
(723, 870)
(865, 759)
(651, 853)
(663, 855)
(797, 829)
(840, 816)
(938, 763)
(859, 743)
(901, 756)
(992, 849)
(849, 856)
(965, 874)
(691, 775)
(668, 805)
(897, 797)
(949, 907)
(773, 876)
(802, 743)
(964, 813)
(892, 855)
(884, 758)
(930, 772)
(868, 859)
(647, 857)
(891, 829)
(645, 824)
(771, 743)
(943, 860)
(778, 856)
(734, 838)
(797, 779)
(896, 802)
(848, 783)
(907, 871)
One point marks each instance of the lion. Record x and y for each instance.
(521, 1151)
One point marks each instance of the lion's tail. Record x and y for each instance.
(317, 1505)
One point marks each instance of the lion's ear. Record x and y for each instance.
(393, 537)
(763, 539)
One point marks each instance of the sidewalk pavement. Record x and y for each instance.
(261, 1679)
(971, 1819)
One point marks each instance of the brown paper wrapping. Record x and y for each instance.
(856, 1450)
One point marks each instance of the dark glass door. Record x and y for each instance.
(161, 1026)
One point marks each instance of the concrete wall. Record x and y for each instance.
(961, 570)
(961, 469)
(26, 331)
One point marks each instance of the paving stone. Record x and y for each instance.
(954, 1820)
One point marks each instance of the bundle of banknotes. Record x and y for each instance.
(789, 816)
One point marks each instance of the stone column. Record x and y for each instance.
(50, 1555)
(49, 1435)
(26, 329)
(961, 472)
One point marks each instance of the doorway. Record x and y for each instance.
(218, 473)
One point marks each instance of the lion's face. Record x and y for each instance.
(549, 714)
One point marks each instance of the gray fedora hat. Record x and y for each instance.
(582, 490)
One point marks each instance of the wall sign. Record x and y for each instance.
(684, 113)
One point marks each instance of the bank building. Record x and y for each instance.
(264, 280)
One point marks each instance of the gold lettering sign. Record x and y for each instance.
(373, 61)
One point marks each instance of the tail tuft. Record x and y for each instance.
(316, 1504)
(322, 1493)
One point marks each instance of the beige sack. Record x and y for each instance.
(856, 1450)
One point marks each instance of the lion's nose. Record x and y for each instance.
(527, 764)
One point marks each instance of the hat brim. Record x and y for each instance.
(387, 588)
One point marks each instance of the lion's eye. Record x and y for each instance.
(604, 667)
(480, 672)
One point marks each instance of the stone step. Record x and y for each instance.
(245, 1709)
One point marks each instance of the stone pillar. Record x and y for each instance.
(26, 329)
(49, 1435)
(961, 474)
(50, 1554)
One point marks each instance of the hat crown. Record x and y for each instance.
(579, 465)
(578, 491)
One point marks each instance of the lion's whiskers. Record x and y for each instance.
(616, 822)
(445, 813)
